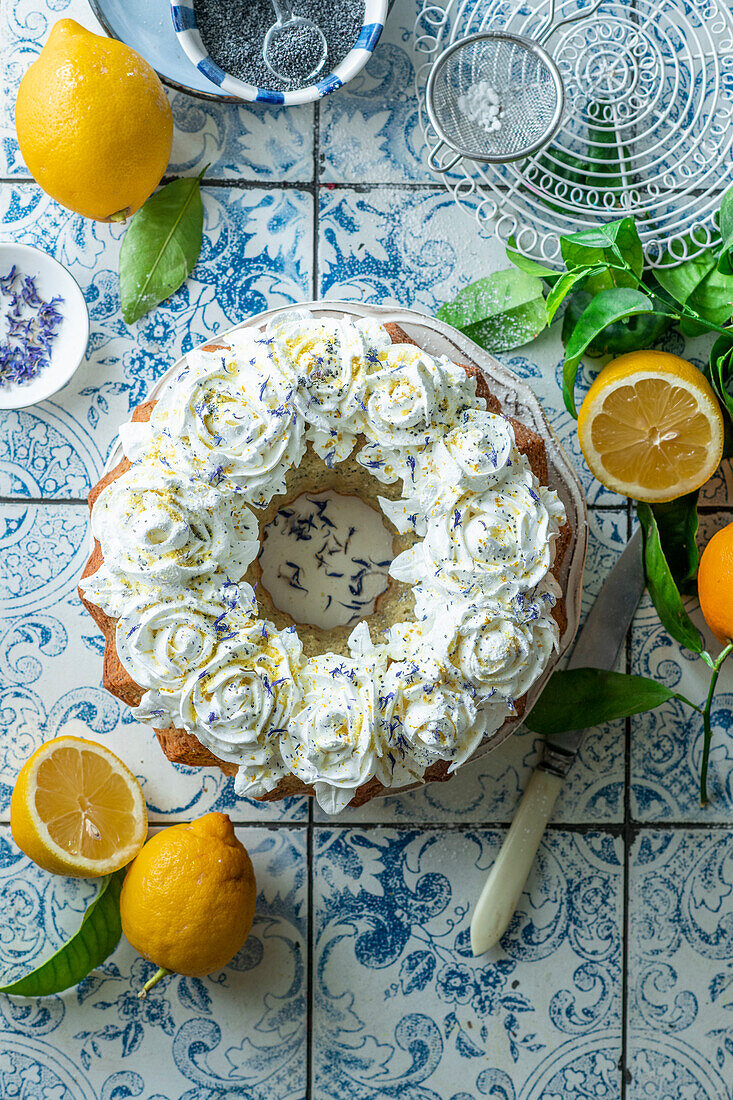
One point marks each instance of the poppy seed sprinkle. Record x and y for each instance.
(233, 34)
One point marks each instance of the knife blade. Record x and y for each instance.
(597, 646)
(603, 634)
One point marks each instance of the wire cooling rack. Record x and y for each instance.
(647, 129)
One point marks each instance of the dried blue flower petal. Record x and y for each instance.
(31, 327)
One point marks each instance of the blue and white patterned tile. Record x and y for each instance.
(51, 668)
(252, 142)
(666, 743)
(239, 1032)
(396, 245)
(401, 1007)
(248, 142)
(370, 131)
(489, 789)
(680, 978)
(256, 254)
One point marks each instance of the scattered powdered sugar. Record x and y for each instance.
(30, 324)
(481, 104)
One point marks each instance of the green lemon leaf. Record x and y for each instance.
(712, 298)
(500, 312)
(527, 264)
(725, 263)
(677, 522)
(614, 244)
(565, 285)
(681, 280)
(578, 698)
(662, 588)
(161, 247)
(97, 937)
(726, 232)
(720, 370)
(606, 307)
(637, 332)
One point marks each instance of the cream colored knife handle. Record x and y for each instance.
(507, 878)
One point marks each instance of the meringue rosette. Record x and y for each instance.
(179, 534)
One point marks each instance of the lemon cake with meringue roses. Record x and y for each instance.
(428, 632)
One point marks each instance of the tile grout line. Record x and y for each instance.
(608, 828)
(304, 185)
(627, 840)
(309, 960)
(316, 196)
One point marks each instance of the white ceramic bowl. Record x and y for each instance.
(72, 336)
(184, 24)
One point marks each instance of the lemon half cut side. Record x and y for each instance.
(77, 810)
(650, 427)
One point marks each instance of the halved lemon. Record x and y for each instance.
(77, 810)
(650, 427)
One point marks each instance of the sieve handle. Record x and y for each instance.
(549, 27)
(439, 166)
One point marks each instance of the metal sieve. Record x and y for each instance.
(496, 69)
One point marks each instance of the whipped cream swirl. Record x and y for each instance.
(161, 530)
(160, 641)
(478, 453)
(498, 648)
(500, 542)
(411, 401)
(231, 422)
(328, 360)
(330, 743)
(428, 715)
(242, 699)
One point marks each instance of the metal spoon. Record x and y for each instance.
(296, 41)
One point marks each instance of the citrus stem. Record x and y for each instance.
(707, 726)
(161, 972)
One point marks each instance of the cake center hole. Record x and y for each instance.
(325, 559)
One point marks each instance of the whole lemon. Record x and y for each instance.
(94, 124)
(715, 584)
(188, 899)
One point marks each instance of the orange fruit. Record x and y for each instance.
(94, 123)
(650, 427)
(715, 584)
(188, 900)
(77, 810)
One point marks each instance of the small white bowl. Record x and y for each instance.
(72, 335)
(184, 23)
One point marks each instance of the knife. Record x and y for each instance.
(597, 646)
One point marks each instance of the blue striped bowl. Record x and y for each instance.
(184, 23)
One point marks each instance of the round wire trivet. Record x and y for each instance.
(647, 129)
